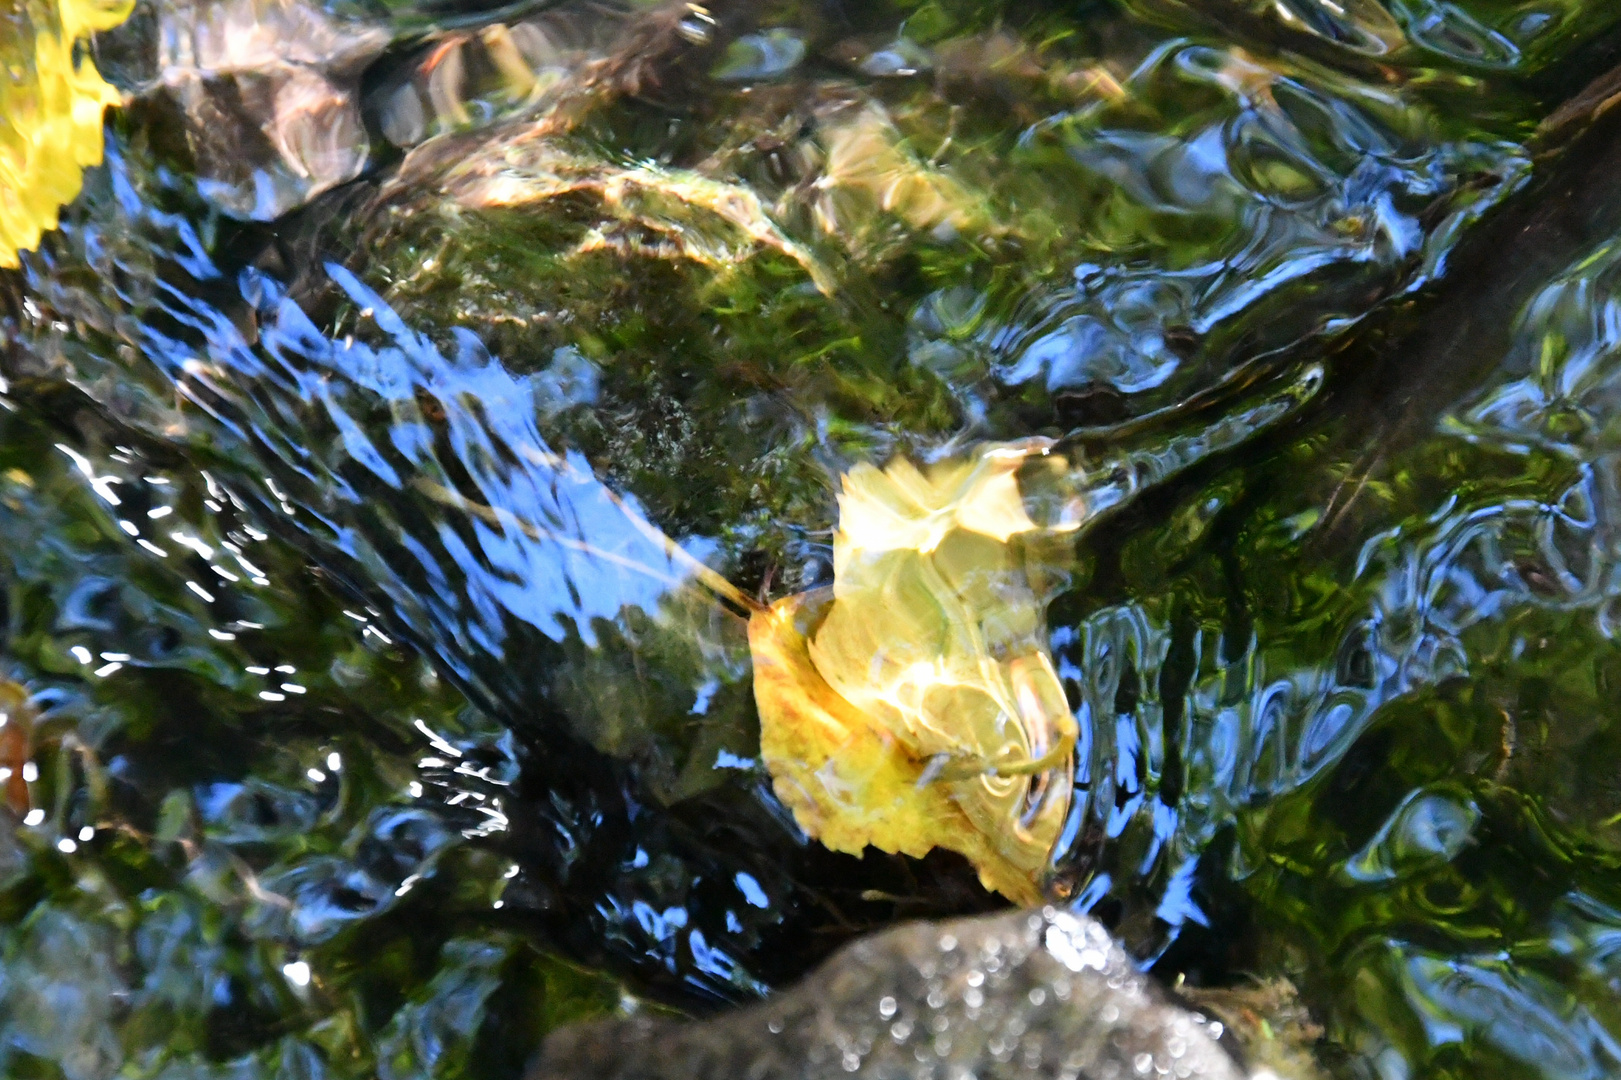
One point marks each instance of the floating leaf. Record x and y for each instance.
(50, 113)
(914, 705)
(648, 209)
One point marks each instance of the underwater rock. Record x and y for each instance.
(647, 209)
(465, 79)
(542, 77)
(760, 56)
(268, 91)
(1030, 993)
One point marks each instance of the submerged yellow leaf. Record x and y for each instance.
(847, 780)
(915, 705)
(868, 167)
(50, 113)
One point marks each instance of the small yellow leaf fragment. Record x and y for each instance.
(50, 114)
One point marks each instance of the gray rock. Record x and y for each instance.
(1022, 994)
(268, 91)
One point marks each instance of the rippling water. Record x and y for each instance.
(371, 732)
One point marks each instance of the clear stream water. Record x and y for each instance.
(365, 743)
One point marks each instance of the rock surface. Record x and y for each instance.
(268, 95)
(1026, 994)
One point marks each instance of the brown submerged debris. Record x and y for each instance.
(1019, 994)
(16, 743)
(1269, 1020)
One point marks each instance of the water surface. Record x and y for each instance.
(370, 736)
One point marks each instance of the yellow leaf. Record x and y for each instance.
(50, 114)
(900, 507)
(915, 705)
(848, 781)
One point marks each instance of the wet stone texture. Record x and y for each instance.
(1027, 994)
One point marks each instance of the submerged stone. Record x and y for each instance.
(267, 92)
(1029, 994)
